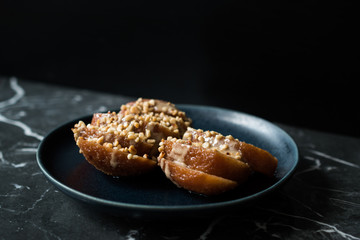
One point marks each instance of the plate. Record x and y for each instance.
(152, 195)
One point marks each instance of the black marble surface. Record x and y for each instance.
(320, 201)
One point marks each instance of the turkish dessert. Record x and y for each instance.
(220, 162)
(258, 159)
(126, 143)
(147, 133)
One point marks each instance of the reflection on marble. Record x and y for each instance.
(321, 201)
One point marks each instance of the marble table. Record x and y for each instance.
(320, 201)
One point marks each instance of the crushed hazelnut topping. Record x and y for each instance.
(224, 146)
(229, 137)
(206, 145)
(132, 150)
(134, 110)
(141, 122)
(237, 157)
(152, 102)
(218, 137)
(161, 149)
(128, 118)
(131, 135)
(100, 140)
(187, 136)
(109, 145)
(147, 133)
(215, 140)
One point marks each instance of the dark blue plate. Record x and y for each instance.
(153, 195)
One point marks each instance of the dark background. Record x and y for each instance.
(295, 63)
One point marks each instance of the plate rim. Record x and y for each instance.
(145, 207)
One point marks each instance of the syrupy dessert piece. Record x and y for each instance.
(209, 163)
(258, 159)
(126, 143)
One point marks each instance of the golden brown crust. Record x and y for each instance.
(204, 155)
(114, 161)
(115, 140)
(207, 160)
(195, 181)
(130, 136)
(259, 159)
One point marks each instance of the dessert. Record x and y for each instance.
(202, 157)
(258, 159)
(214, 158)
(126, 143)
(147, 133)
(184, 161)
(194, 180)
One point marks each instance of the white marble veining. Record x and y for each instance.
(323, 226)
(293, 199)
(14, 159)
(19, 93)
(335, 159)
(27, 130)
(210, 228)
(17, 156)
(133, 234)
(5, 163)
(46, 232)
(322, 208)
(315, 166)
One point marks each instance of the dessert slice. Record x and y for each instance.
(194, 180)
(126, 143)
(114, 161)
(200, 168)
(202, 157)
(258, 159)
(209, 163)
(118, 154)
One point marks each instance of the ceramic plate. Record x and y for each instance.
(153, 195)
